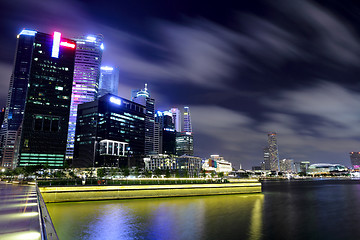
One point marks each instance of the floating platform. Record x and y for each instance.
(93, 193)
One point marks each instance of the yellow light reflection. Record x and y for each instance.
(29, 235)
(256, 219)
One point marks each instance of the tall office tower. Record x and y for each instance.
(266, 159)
(167, 132)
(48, 83)
(355, 159)
(187, 120)
(109, 81)
(86, 81)
(109, 132)
(15, 104)
(185, 139)
(176, 116)
(142, 97)
(273, 151)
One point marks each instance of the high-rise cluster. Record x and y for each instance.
(63, 105)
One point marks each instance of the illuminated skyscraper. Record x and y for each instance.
(167, 132)
(185, 139)
(142, 97)
(176, 116)
(273, 152)
(15, 104)
(86, 80)
(49, 66)
(355, 159)
(109, 81)
(187, 120)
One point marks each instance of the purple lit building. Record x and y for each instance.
(86, 81)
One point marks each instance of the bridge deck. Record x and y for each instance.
(19, 214)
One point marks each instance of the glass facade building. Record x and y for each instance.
(143, 97)
(184, 144)
(114, 121)
(109, 81)
(167, 133)
(15, 104)
(46, 113)
(86, 81)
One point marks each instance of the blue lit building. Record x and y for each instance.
(167, 132)
(15, 104)
(86, 80)
(110, 131)
(109, 81)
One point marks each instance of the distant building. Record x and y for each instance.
(273, 151)
(184, 164)
(110, 131)
(109, 81)
(192, 165)
(167, 132)
(287, 165)
(221, 164)
(327, 168)
(160, 161)
(176, 117)
(142, 97)
(266, 163)
(187, 120)
(355, 159)
(184, 144)
(86, 81)
(256, 168)
(304, 165)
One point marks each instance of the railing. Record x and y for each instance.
(48, 231)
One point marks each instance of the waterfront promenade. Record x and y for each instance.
(19, 216)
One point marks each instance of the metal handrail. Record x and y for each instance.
(48, 231)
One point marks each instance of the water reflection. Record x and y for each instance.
(212, 217)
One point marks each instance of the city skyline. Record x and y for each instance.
(242, 69)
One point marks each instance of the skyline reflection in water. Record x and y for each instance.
(209, 217)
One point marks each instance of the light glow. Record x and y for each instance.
(106, 68)
(115, 100)
(91, 38)
(67, 44)
(56, 45)
(28, 32)
(102, 46)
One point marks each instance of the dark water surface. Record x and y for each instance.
(321, 209)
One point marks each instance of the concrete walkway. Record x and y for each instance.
(19, 216)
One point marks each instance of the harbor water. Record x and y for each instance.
(321, 209)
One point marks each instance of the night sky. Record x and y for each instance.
(245, 68)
